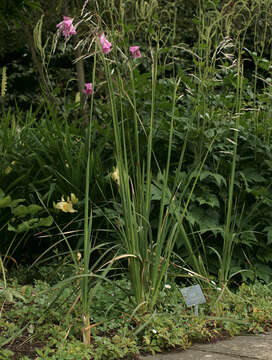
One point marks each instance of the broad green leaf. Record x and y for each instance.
(31, 224)
(23, 210)
(4, 202)
(206, 219)
(15, 203)
(219, 179)
(156, 193)
(24, 226)
(208, 199)
(204, 174)
(48, 221)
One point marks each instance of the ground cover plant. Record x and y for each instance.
(150, 166)
(33, 325)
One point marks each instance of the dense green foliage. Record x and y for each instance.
(46, 145)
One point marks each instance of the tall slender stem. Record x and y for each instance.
(87, 227)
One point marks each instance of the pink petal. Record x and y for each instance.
(106, 45)
(135, 52)
(88, 89)
(67, 27)
(134, 48)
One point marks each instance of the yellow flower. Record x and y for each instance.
(115, 175)
(9, 168)
(65, 206)
(74, 199)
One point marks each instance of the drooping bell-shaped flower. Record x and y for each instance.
(106, 45)
(135, 52)
(66, 206)
(66, 27)
(88, 89)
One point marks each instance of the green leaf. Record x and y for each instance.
(48, 221)
(34, 5)
(268, 229)
(4, 202)
(156, 193)
(252, 175)
(2, 194)
(245, 181)
(206, 219)
(31, 224)
(15, 203)
(263, 272)
(219, 179)
(24, 226)
(22, 210)
(248, 238)
(264, 254)
(208, 199)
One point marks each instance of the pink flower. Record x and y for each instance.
(67, 27)
(88, 89)
(135, 52)
(106, 45)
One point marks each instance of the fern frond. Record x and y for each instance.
(4, 81)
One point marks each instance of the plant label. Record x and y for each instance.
(193, 296)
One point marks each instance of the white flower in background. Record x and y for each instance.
(154, 331)
(167, 286)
